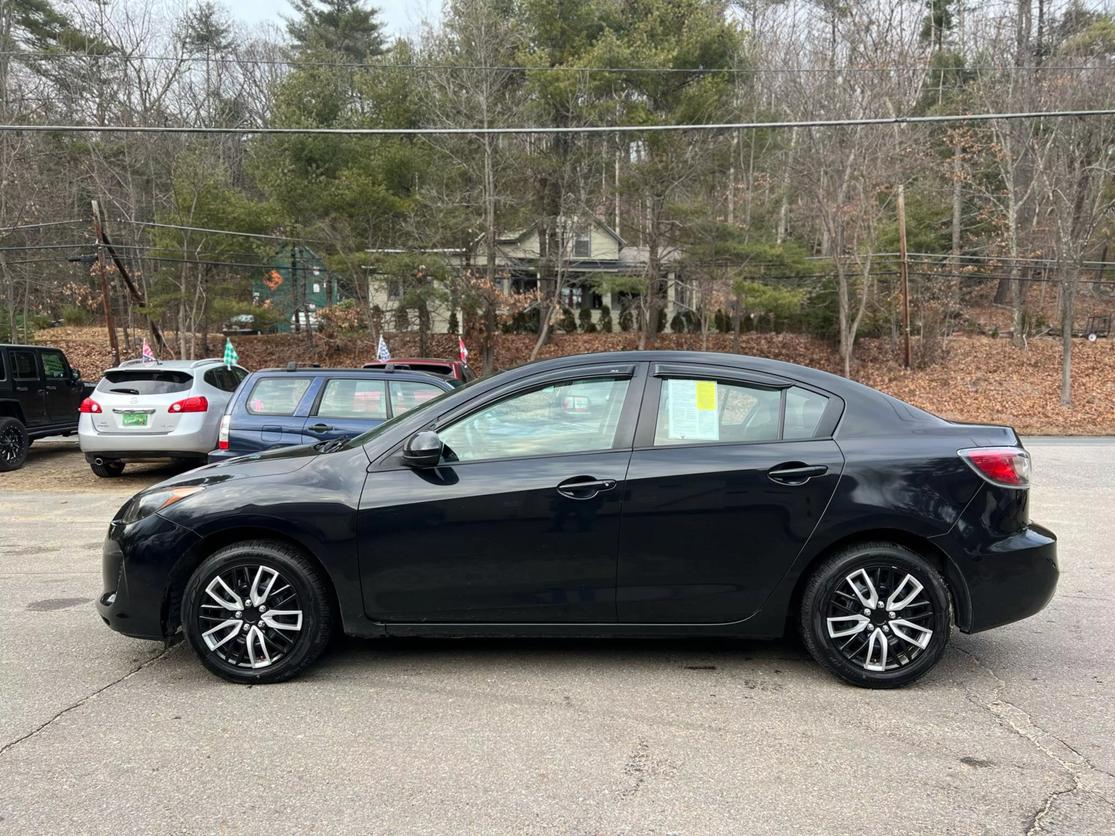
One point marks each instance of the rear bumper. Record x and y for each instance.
(137, 568)
(189, 441)
(1004, 580)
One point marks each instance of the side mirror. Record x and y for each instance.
(75, 375)
(423, 450)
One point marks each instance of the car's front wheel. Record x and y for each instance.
(257, 612)
(13, 444)
(876, 615)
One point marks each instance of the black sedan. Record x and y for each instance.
(624, 494)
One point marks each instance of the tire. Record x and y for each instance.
(14, 444)
(254, 645)
(889, 648)
(108, 470)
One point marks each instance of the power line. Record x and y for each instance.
(42, 225)
(220, 231)
(372, 65)
(579, 129)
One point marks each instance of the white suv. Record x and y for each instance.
(149, 412)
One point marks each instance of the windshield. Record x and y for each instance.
(365, 437)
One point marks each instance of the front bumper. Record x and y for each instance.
(138, 567)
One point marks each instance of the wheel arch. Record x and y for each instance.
(12, 409)
(923, 546)
(188, 563)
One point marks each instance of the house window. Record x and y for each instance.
(571, 296)
(582, 242)
(394, 288)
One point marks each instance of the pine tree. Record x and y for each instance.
(346, 27)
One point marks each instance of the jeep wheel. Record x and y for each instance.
(13, 444)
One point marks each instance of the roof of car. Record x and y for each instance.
(371, 373)
(168, 365)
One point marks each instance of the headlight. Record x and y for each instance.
(147, 504)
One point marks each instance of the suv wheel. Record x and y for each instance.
(876, 615)
(257, 612)
(13, 444)
(107, 469)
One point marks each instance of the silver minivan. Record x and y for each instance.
(150, 412)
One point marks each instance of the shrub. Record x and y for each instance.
(605, 319)
(584, 321)
(76, 315)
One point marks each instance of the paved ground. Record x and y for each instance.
(1013, 733)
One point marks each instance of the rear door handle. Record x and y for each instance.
(584, 487)
(319, 428)
(795, 473)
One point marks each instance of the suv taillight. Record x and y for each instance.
(222, 436)
(197, 403)
(1007, 467)
(90, 406)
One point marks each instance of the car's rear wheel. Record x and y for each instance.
(107, 470)
(13, 444)
(257, 612)
(876, 615)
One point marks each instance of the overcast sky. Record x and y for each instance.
(402, 17)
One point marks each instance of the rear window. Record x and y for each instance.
(277, 395)
(803, 413)
(145, 382)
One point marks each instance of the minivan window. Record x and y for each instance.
(694, 411)
(277, 395)
(23, 366)
(145, 382)
(366, 399)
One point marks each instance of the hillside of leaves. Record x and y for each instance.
(981, 379)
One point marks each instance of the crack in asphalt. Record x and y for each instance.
(1021, 722)
(11, 744)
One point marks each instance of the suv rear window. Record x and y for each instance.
(277, 395)
(145, 382)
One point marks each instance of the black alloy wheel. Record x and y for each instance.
(13, 444)
(876, 615)
(257, 612)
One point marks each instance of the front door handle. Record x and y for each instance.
(319, 428)
(584, 487)
(795, 473)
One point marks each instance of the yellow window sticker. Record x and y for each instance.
(706, 395)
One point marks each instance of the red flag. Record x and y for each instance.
(148, 354)
(462, 350)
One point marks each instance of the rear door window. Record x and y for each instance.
(277, 395)
(224, 379)
(695, 411)
(23, 366)
(407, 394)
(360, 399)
(145, 382)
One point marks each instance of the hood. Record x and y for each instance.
(266, 463)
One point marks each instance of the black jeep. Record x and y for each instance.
(39, 396)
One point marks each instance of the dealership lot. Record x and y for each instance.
(99, 733)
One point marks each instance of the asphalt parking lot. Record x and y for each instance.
(1012, 733)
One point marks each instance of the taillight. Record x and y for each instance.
(90, 406)
(1007, 467)
(197, 403)
(222, 436)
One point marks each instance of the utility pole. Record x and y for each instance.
(294, 297)
(102, 270)
(105, 244)
(904, 272)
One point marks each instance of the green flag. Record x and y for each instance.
(231, 357)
